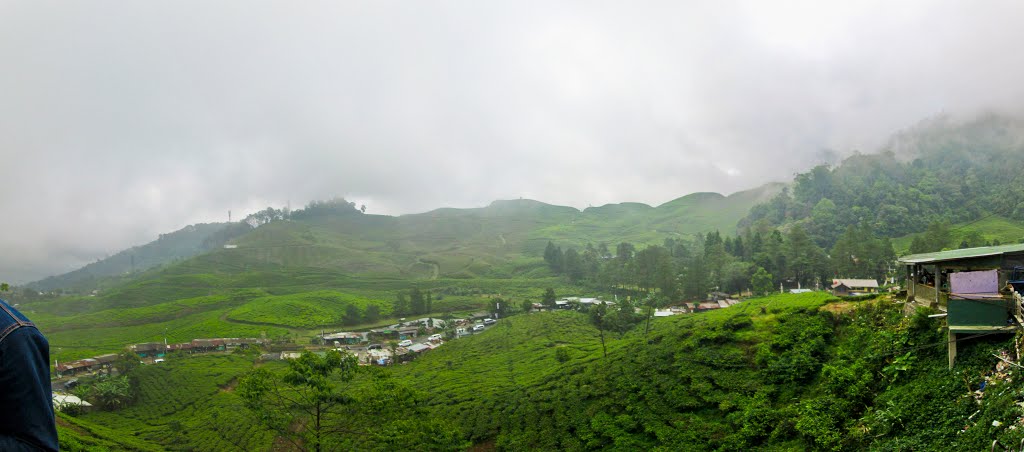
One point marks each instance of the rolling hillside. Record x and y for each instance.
(785, 372)
(293, 277)
(989, 229)
(504, 239)
(181, 244)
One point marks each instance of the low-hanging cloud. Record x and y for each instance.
(122, 120)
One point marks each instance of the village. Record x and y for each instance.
(397, 343)
(394, 344)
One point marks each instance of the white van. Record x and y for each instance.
(405, 343)
(434, 338)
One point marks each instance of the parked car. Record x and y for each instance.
(375, 347)
(478, 328)
(434, 337)
(405, 343)
(490, 321)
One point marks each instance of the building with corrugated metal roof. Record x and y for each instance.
(975, 287)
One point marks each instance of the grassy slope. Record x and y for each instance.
(776, 373)
(188, 403)
(80, 435)
(503, 239)
(463, 255)
(204, 298)
(181, 244)
(992, 228)
(792, 377)
(642, 224)
(468, 379)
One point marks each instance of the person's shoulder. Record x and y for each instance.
(9, 313)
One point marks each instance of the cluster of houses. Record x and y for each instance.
(86, 365)
(574, 303)
(357, 343)
(159, 349)
(154, 350)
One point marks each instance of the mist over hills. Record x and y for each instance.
(442, 242)
(181, 244)
(942, 170)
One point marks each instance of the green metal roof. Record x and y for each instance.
(966, 253)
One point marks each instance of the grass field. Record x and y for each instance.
(1004, 230)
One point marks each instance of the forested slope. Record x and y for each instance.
(942, 171)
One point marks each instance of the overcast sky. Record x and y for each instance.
(123, 120)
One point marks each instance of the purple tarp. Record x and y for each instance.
(974, 282)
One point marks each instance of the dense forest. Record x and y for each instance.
(939, 172)
(755, 261)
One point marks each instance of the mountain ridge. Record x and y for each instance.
(520, 226)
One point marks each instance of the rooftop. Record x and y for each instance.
(966, 253)
(855, 283)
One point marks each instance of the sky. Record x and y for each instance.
(121, 120)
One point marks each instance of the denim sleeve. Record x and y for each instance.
(26, 406)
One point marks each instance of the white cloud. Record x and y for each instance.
(121, 120)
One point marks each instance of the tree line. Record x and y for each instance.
(413, 302)
(754, 260)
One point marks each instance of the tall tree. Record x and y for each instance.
(549, 298)
(351, 316)
(598, 314)
(401, 304)
(372, 313)
(551, 257)
(302, 406)
(695, 280)
(761, 283)
(572, 264)
(417, 304)
(803, 257)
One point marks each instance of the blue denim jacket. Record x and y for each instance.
(26, 406)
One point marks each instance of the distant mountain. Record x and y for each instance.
(181, 244)
(502, 239)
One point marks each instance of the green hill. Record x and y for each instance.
(181, 244)
(790, 372)
(503, 239)
(942, 171)
(987, 230)
(786, 372)
(270, 280)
